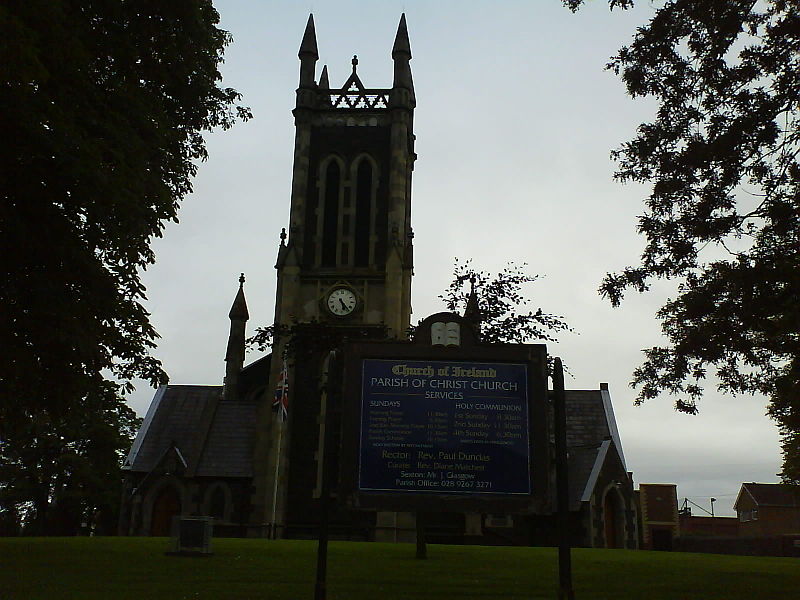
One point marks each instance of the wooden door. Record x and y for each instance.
(611, 518)
(166, 506)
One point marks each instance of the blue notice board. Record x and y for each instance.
(444, 427)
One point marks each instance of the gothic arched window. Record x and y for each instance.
(330, 215)
(216, 505)
(363, 224)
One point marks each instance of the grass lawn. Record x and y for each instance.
(136, 568)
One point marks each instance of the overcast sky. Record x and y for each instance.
(515, 120)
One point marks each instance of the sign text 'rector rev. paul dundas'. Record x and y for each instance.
(444, 427)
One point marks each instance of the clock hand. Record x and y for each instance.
(344, 306)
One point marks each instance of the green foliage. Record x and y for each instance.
(131, 568)
(502, 303)
(723, 217)
(312, 338)
(574, 5)
(104, 106)
(67, 471)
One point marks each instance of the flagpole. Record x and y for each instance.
(274, 527)
(282, 405)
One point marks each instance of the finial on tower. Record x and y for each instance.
(354, 63)
(234, 355)
(309, 43)
(308, 55)
(239, 309)
(401, 55)
(401, 43)
(472, 312)
(283, 236)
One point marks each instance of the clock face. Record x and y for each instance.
(342, 302)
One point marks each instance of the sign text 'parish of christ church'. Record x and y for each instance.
(444, 427)
(440, 428)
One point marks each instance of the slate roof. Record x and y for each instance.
(216, 438)
(254, 377)
(174, 417)
(230, 443)
(773, 494)
(587, 424)
(590, 423)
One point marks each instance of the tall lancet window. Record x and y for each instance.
(330, 214)
(363, 230)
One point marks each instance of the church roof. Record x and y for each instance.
(591, 434)
(215, 438)
(228, 451)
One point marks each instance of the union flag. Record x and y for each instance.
(281, 402)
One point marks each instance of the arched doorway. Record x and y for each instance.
(166, 506)
(613, 519)
(216, 504)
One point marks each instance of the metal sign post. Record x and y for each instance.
(331, 386)
(565, 591)
(445, 428)
(422, 546)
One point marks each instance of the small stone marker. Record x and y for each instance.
(191, 536)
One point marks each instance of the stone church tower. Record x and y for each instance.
(346, 264)
(343, 271)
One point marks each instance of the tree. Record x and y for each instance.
(104, 109)
(501, 303)
(67, 473)
(723, 217)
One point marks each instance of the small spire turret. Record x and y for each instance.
(401, 55)
(234, 355)
(309, 44)
(472, 312)
(308, 54)
(239, 308)
(402, 47)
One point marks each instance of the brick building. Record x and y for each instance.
(701, 526)
(768, 509)
(658, 513)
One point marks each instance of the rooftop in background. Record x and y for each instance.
(772, 494)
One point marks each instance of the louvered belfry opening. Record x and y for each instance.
(363, 232)
(330, 216)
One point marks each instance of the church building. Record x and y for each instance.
(344, 271)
